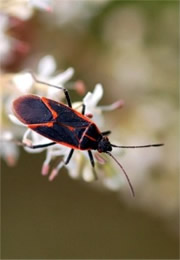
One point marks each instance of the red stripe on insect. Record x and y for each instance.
(90, 137)
(46, 102)
(34, 126)
(67, 126)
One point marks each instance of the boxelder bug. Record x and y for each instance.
(66, 126)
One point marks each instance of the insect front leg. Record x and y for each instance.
(92, 163)
(66, 93)
(106, 133)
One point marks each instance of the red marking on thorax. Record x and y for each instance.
(90, 137)
(84, 134)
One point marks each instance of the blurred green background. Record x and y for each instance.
(131, 47)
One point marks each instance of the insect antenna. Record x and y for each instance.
(136, 146)
(129, 182)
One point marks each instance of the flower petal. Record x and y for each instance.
(88, 173)
(46, 66)
(41, 4)
(15, 120)
(63, 77)
(91, 99)
(23, 82)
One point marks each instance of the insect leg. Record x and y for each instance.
(37, 146)
(69, 156)
(91, 158)
(67, 97)
(106, 133)
(92, 163)
(83, 109)
(66, 93)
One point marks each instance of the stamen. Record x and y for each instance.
(49, 155)
(80, 87)
(99, 158)
(55, 171)
(118, 104)
(11, 160)
(45, 169)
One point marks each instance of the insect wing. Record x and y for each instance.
(67, 116)
(58, 133)
(56, 121)
(30, 109)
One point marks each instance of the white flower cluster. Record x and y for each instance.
(24, 84)
(23, 9)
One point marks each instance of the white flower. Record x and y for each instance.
(79, 165)
(45, 72)
(92, 99)
(23, 83)
(66, 11)
(24, 9)
(8, 149)
(46, 69)
(41, 4)
(6, 42)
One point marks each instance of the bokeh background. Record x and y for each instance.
(131, 47)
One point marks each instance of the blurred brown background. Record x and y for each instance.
(131, 47)
(69, 219)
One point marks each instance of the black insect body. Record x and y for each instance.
(64, 125)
